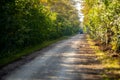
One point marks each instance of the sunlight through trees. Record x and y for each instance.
(102, 21)
(25, 23)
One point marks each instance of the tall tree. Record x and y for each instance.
(102, 19)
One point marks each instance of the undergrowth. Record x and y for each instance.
(110, 64)
(27, 51)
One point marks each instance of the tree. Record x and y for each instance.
(102, 21)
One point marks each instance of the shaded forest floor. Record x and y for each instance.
(109, 61)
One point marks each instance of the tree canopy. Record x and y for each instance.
(25, 23)
(102, 21)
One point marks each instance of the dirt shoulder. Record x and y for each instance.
(111, 65)
(91, 67)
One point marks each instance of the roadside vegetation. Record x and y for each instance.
(102, 23)
(111, 65)
(25, 24)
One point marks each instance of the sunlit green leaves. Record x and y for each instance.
(103, 20)
(25, 23)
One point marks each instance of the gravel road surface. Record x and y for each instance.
(70, 59)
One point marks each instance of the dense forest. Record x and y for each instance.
(25, 23)
(102, 22)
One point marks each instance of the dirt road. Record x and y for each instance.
(70, 59)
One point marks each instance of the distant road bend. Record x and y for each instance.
(70, 59)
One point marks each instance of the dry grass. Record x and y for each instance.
(111, 64)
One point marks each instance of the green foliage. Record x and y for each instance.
(25, 23)
(102, 21)
(28, 50)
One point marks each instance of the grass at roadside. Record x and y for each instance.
(111, 65)
(11, 58)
